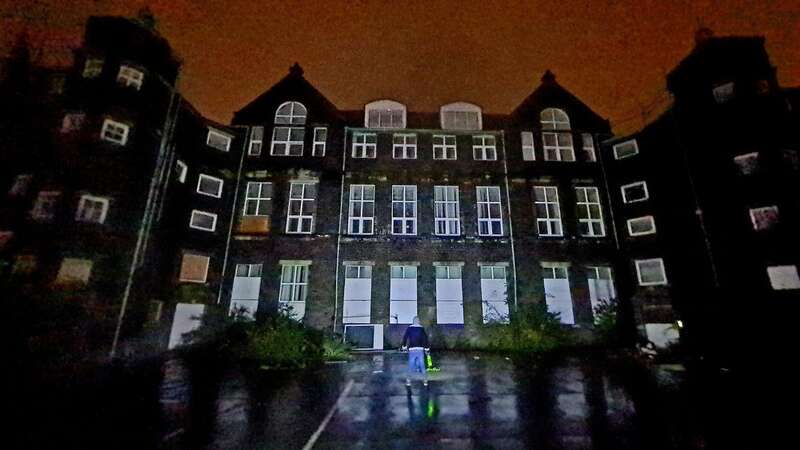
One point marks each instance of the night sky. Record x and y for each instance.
(613, 54)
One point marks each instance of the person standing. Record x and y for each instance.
(416, 341)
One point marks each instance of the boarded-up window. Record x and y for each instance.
(625, 149)
(218, 140)
(494, 294)
(449, 295)
(403, 294)
(527, 146)
(357, 294)
(194, 268)
(783, 277)
(74, 270)
(650, 272)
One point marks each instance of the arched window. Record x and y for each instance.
(460, 116)
(291, 113)
(554, 119)
(385, 114)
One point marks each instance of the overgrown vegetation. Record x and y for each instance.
(532, 330)
(606, 323)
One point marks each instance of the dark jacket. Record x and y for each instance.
(415, 337)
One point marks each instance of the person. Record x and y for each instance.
(416, 341)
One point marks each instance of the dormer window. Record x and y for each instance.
(385, 114)
(554, 119)
(291, 113)
(287, 140)
(461, 116)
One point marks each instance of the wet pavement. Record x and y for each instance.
(476, 401)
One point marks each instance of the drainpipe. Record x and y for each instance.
(339, 233)
(510, 227)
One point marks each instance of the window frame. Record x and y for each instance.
(364, 147)
(588, 210)
(80, 215)
(444, 148)
(183, 170)
(319, 143)
(404, 220)
(488, 202)
(528, 148)
(261, 198)
(38, 208)
(297, 286)
(553, 122)
(256, 144)
(301, 216)
(619, 145)
(650, 219)
(288, 144)
(588, 150)
(561, 149)
(408, 150)
(197, 212)
(202, 176)
(546, 202)
(381, 109)
(218, 133)
(129, 76)
(361, 220)
(752, 212)
(293, 117)
(479, 144)
(639, 262)
(444, 204)
(92, 68)
(124, 131)
(629, 185)
(250, 268)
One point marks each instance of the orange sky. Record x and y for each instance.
(612, 54)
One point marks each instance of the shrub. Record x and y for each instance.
(532, 329)
(335, 350)
(606, 325)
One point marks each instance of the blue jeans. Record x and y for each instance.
(416, 362)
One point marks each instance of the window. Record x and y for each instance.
(92, 68)
(320, 140)
(528, 153)
(294, 289)
(447, 220)
(404, 210)
(291, 113)
(548, 211)
(554, 119)
(747, 163)
(723, 93)
(357, 293)
(92, 209)
(588, 147)
(128, 76)
(258, 199)
(590, 216)
(490, 219)
(300, 216)
(256, 141)
(650, 272)
(640, 226)
(74, 271)
(635, 192)
(202, 220)
(362, 209)
(20, 185)
(494, 294)
(484, 148)
(208, 185)
(72, 122)
(404, 146)
(287, 141)
(248, 270)
(44, 208)
(246, 290)
(194, 268)
(385, 114)
(180, 171)
(764, 218)
(783, 277)
(460, 116)
(115, 132)
(557, 146)
(625, 149)
(403, 294)
(449, 294)
(557, 294)
(444, 147)
(218, 140)
(601, 285)
(364, 145)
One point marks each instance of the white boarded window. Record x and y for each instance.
(484, 148)
(635, 192)
(625, 149)
(557, 294)
(258, 199)
(256, 141)
(218, 140)
(357, 294)
(92, 68)
(92, 209)
(210, 186)
(385, 114)
(601, 285)
(202, 220)
(747, 163)
(494, 294)
(320, 141)
(548, 211)
(72, 122)
(557, 146)
(554, 119)
(293, 290)
(447, 219)
(113, 131)
(460, 116)
(444, 147)
(404, 210)
(404, 146)
(364, 145)
(300, 214)
(287, 141)
(764, 218)
(528, 153)
(490, 218)
(362, 209)
(74, 271)
(650, 272)
(194, 268)
(403, 294)
(590, 215)
(449, 295)
(181, 170)
(783, 277)
(44, 208)
(130, 77)
(640, 226)
(588, 147)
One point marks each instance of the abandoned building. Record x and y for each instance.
(355, 221)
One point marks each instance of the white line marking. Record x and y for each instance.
(313, 439)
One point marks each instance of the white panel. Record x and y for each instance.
(356, 311)
(661, 334)
(246, 288)
(559, 299)
(449, 312)
(493, 290)
(248, 307)
(403, 289)
(298, 309)
(783, 277)
(358, 288)
(188, 317)
(402, 311)
(600, 289)
(495, 311)
(377, 338)
(449, 289)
